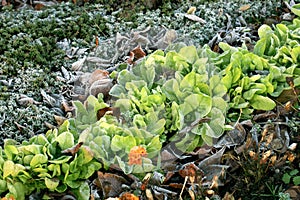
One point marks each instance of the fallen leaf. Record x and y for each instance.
(265, 116)
(110, 184)
(244, 7)
(98, 74)
(213, 159)
(138, 52)
(108, 110)
(191, 10)
(192, 171)
(66, 107)
(130, 58)
(76, 66)
(50, 126)
(294, 192)
(59, 119)
(195, 18)
(101, 86)
(73, 150)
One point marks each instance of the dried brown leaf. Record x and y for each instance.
(98, 74)
(108, 110)
(110, 184)
(138, 52)
(73, 150)
(59, 119)
(190, 170)
(50, 126)
(294, 192)
(265, 116)
(130, 59)
(66, 107)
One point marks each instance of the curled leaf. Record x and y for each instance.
(195, 18)
(73, 150)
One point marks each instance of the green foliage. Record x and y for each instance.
(111, 141)
(41, 163)
(179, 88)
(291, 176)
(280, 46)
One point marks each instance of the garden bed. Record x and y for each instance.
(194, 100)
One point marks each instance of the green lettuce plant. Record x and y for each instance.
(280, 46)
(110, 140)
(180, 87)
(46, 162)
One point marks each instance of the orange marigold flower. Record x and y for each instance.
(135, 155)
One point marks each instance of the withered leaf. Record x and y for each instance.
(73, 150)
(191, 10)
(294, 192)
(110, 184)
(59, 119)
(130, 58)
(244, 7)
(108, 110)
(66, 107)
(189, 169)
(138, 52)
(195, 18)
(50, 126)
(265, 115)
(76, 66)
(214, 159)
(98, 74)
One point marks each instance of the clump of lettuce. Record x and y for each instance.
(46, 162)
(181, 88)
(111, 141)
